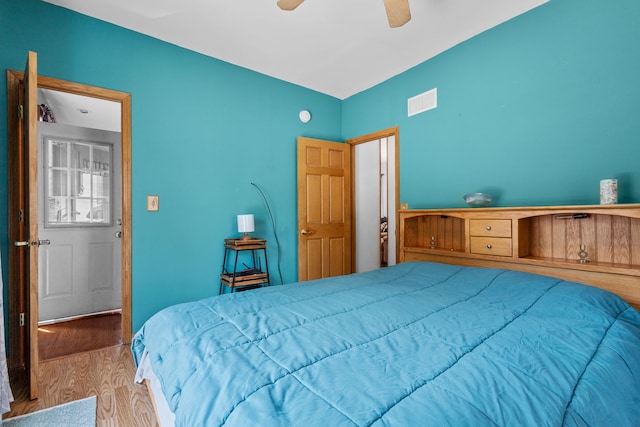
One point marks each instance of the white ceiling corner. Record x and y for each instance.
(336, 47)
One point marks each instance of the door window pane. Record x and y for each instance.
(59, 182)
(58, 154)
(77, 182)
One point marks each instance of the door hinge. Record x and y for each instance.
(21, 319)
(20, 215)
(20, 111)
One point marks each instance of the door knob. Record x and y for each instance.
(34, 243)
(119, 234)
(306, 232)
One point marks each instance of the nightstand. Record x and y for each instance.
(250, 276)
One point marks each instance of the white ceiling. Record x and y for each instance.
(337, 47)
(82, 111)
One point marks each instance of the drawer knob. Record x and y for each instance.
(488, 227)
(489, 246)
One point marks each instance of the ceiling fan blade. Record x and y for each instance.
(398, 12)
(289, 4)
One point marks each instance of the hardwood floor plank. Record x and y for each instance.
(78, 335)
(106, 373)
(81, 358)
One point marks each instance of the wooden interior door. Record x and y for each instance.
(23, 222)
(23, 218)
(31, 210)
(324, 209)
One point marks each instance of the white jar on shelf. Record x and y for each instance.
(608, 191)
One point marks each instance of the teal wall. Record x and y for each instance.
(535, 111)
(202, 131)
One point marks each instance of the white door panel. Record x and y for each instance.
(100, 262)
(80, 268)
(78, 274)
(367, 200)
(391, 200)
(57, 268)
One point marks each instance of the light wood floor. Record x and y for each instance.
(107, 373)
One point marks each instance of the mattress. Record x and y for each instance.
(414, 344)
(144, 372)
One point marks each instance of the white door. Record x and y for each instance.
(368, 200)
(79, 202)
(375, 201)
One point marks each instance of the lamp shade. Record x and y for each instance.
(245, 223)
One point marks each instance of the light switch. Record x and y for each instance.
(153, 203)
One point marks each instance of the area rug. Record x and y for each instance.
(79, 413)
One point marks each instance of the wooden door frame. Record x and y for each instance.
(385, 133)
(17, 298)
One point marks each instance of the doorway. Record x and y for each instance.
(375, 198)
(79, 218)
(22, 333)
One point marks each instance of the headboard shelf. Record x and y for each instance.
(588, 266)
(597, 245)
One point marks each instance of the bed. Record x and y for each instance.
(419, 343)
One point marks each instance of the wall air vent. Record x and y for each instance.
(423, 102)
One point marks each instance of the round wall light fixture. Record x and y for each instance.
(305, 116)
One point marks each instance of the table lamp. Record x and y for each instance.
(246, 226)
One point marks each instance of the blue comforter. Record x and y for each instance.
(417, 344)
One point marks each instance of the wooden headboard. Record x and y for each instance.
(598, 245)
